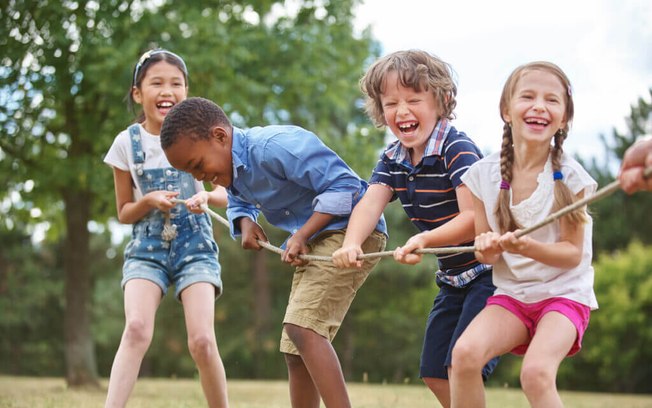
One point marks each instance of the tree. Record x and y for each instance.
(616, 356)
(65, 70)
(619, 219)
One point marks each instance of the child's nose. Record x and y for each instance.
(538, 105)
(402, 108)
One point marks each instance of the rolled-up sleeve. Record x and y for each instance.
(237, 209)
(313, 166)
(335, 203)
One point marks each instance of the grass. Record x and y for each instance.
(29, 392)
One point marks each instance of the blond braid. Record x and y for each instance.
(504, 216)
(563, 195)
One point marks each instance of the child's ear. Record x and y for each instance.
(219, 134)
(507, 118)
(136, 95)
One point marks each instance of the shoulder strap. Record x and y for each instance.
(137, 148)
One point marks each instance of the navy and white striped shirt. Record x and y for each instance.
(427, 191)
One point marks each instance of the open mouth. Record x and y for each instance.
(164, 106)
(408, 127)
(537, 122)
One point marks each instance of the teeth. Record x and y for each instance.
(407, 126)
(165, 105)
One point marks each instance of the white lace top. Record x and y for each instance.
(523, 278)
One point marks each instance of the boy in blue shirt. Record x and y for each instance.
(304, 188)
(413, 93)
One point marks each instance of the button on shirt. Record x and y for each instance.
(288, 173)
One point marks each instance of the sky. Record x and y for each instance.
(604, 46)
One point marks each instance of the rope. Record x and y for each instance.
(600, 194)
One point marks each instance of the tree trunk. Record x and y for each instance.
(81, 366)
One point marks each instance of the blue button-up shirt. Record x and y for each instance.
(287, 173)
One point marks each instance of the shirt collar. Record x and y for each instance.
(239, 150)
(434, 147)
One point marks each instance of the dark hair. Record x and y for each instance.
(145, 61)
(194, 118)
(416, 69)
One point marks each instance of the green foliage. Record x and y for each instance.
(67, 66)
(616, 354)
(30, 305)
(619, 219)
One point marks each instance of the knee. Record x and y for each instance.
(537, 377)
(293, 361)
(202, 347)
(298, 335)
(138, 333)
(438, 386)
(466, 357)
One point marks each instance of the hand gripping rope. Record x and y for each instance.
(601, 193)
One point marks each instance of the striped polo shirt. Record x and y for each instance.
(427, 191)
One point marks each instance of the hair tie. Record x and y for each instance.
(557, 175)
(504, 185)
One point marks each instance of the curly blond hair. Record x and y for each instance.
(416, 69)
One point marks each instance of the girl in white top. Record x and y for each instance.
(171, 244)
(544, 280)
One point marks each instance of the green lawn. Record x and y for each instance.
(29, 392)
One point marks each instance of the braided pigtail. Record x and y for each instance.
(504, 216)
(563, 195)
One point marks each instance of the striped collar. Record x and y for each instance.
(434, 147)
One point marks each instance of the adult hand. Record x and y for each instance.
(636, 159)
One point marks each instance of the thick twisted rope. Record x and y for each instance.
(600, 194)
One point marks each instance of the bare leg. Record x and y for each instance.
(142, 298)
(441, 388)
(323, 365)
(493, 332)
(303, 392)
(199, 309)
(553, 339)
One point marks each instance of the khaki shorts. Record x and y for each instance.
(322, 293)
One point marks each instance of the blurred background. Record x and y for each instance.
(65, 70)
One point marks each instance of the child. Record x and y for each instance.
(170, 244)
(413, 93)
(544, 280)
(302, 187)
(637, 158)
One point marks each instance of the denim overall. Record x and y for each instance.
(175, 248)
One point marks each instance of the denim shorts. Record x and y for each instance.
(189, 258)
(322, 293)
(452, 311)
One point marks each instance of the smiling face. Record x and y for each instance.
(411, 115)
(162, 87)
(537, 108)
(208, 160)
